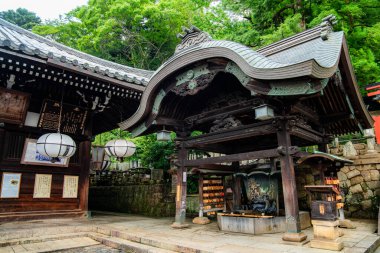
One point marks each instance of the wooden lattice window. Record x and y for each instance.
(14, 144)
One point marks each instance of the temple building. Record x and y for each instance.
(248, 105)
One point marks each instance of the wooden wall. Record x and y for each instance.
(12, 141)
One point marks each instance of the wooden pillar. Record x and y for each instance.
(236, 191)
(84, 175)
(292, 219)
(181, 191)
(200, 192)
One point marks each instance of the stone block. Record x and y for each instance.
(373, 185)
(362, 152)
(356, 180)
(336, 245)
(364, 186)
(366, 175)
(294, 237)
(345, 169)
(356, 189)
(353, 173)
(325, 230)
(201, 220)
(341, 175)
(360, 146)
(375, 175)
(367, 194)
(366, 204)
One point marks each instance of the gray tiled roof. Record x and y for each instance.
(18, 39)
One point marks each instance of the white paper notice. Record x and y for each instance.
(70, 187)
(42, 186)
(10, 186)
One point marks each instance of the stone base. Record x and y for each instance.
(201, 220)
(336, 245)
(294, 237)
(179, 225)
(346, 224)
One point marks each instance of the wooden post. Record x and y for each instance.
(84, 176)
(236, 192)
(200, 192)
(292, 219)
(180, 212)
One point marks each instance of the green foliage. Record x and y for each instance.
(21, 17)
(138, 33)
(150, 152)
(257, 23)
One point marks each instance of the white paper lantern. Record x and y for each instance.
(56, 145)
(120, 148)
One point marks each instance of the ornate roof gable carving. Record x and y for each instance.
(327, 26)
(192, 36)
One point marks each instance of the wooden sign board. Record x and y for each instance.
(42, 185)
(31, 156)
(70, 186)
(73, 118)
(10, 185)
(14, 105)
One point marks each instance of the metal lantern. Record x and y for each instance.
(163, 135)
(56, 145)
(120, 148)
(263, 112)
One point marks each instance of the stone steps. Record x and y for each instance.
(50, 245)
(123, 244)
(157, 243)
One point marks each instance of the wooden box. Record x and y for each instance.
(323, 210)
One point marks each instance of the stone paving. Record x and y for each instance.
(131, 233)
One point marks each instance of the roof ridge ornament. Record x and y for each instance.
(327, 26)
(192, 36)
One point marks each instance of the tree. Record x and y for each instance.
(257, 23)
(138, 33)
(21, 17)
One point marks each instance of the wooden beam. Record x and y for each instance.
(257, 129)
(69, 67)
(233, 158)
(306, 134)
(306, 111)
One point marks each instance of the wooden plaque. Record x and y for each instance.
(70, 187)
(14, 105)
(31, 156)
(10, 185)
(73, 118)
(42, 186)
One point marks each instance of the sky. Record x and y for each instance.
(45, 9)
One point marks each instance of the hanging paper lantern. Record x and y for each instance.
(120, 148)
(56, 145)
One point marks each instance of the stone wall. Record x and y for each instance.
(145, 199)
(360, 181)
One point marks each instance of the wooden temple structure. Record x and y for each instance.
(247, 104)
(34, 74)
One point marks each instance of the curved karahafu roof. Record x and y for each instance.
(18, 39)
(314, 54)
